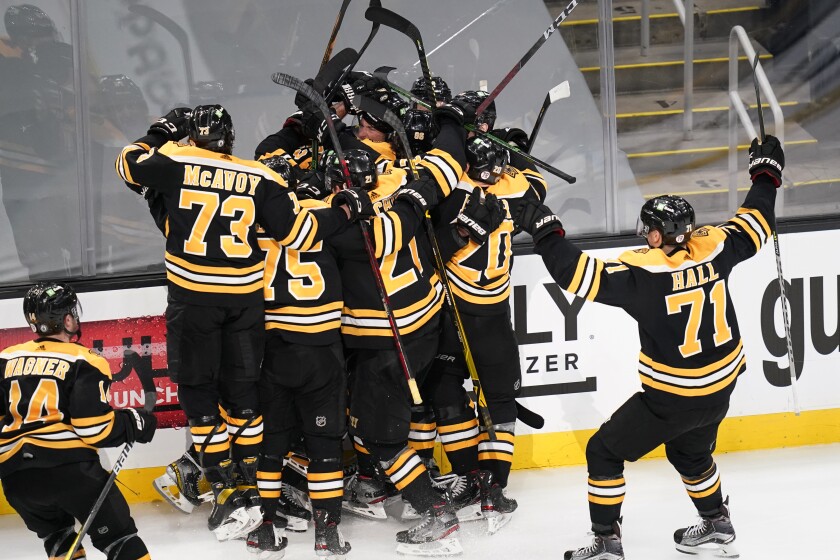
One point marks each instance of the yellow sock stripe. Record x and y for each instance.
(323, 486)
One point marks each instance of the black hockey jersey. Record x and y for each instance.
(214, 202)
(54, 405)
(692, 352)
(413, 286)
(480, 274)
(303, 298)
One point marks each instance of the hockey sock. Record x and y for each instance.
(606, 494)
(246, 433)
(459, 436)
(423, 432)
(269, 476)
(366, 463)
(326, 485)
(705, 491)
(409, 475)
(496, 455)
(210, 440)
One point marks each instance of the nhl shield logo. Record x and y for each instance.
(320, 421)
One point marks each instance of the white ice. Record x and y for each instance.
(783, 502)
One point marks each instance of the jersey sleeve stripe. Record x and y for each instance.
(121, 164)
(747, 228)
(758, 217)
(579, 272)
(596, 280)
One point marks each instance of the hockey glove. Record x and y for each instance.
(139, 425)
(538, 220)
(767, 157)
(422, 194)
(515, 136)
(315, 126)
(301, 101)
(312, 186)
(174, 125)
(478, 218)
(455, 111)
(357, 202)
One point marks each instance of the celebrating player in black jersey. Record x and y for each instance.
(691, 355)
(215, 332)
(54, 414)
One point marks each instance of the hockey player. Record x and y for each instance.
(215, 331)
(691, 355)
(54, 414)
(303, 386)
(420, 89)
(478, 259)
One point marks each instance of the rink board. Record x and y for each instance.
(578, 360)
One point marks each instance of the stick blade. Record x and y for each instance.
(386, 17)
(560, 91)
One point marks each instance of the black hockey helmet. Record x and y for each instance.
(486, 160)
(211, 128)
(362, 168)
(474, 99)
(27, 22)
(122, 102)
(420, 89)
(282, 167)
(392, 101)
(420, 130)
(670, 215)
(45, 306)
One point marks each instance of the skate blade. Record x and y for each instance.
(168, 490)
(496, 521)
(237, 526)
(710, 550)
(295, 524)
(468, 513)
(408, 513)
(268, 554)
(443, 547)
(369, 511)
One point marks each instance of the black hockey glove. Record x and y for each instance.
(301, 101)
(767, 157)
(139, 426)
(357, 202)
(456, 111)
(174, 125)
(538, 220)
(422, 194)
(479, 218)
(315, 126)
(312, 185)
(515, 136)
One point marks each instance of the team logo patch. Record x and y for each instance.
(516, 385)
(485, 175)
(320, 421)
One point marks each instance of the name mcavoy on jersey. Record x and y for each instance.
(221, 179)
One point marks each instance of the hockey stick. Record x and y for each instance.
(334, 34)
(305, 89)
(371, 35)
(118, 465)
(380, 111)
(518, 66)
(382, 72)
(558, 92)
(402, 25)
(783, 298)
(177, 33)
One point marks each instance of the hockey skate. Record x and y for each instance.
(364, 496)
(603, 547)
(465, 497)
(246, 482)
(714, 535)
(329, 542)
(183, 485)
(496, 508)
(294, 507)
(268, 541)
(229, 518)
(434, 535)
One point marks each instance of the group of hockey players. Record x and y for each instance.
(308, 294)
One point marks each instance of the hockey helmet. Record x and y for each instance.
(122, 101)
(474, 99)
(362, 168)
(282, 167)
(392, 101)
(420, 130)
(26, 22)
(420, 89)
(211, 128)
(486, 160)
(46, 304)
(670, 215)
